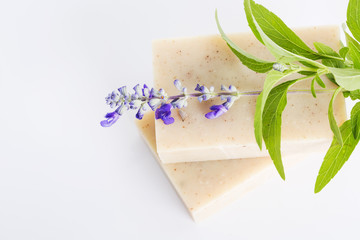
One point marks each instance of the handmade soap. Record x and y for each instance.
(208, 186)
(208, 61)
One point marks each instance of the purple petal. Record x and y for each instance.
(139, 115)
(164, 113)
(197, 87)
(168, 121)
(143, 92)
(111, 119)
(210, 115)
(217, 111)
(110, 115)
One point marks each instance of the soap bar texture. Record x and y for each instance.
(208, 61)
(206, 187)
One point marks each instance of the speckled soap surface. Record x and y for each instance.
(208, 186)
(208, 61)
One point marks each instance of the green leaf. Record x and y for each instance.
(343, 52)
(347, 78)
(281, 54)
(252, 62)
(323, 48)
(354, 95)
(306, 64)
(278, 32)
(272, 78)
(355, 120)
(275, 105)
(336, 156)
(250, 21)
(313, 87)
(319, 81)
(326, 50)
(353, 18)
(333, 125)
(354, 50)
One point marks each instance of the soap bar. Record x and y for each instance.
(206, 187)
(208, 61)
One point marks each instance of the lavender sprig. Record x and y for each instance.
(144, 98)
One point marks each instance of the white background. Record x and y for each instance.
(62, 176)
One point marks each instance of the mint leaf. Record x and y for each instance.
(252, 62)
(347, 78)
(354, 50)
(250, 21)
(272, 78)
(343, 52)
(278, 32)
(355, 120)
(323, 48)
(326, 50)
(313, 87)
(354, 95)
(333, 125)
(353, 18)
(280, 53)
(318, 80)
(275, 105)
(336, 156)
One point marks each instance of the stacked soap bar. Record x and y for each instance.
(207, 186)
(185, 148)
(208, 61)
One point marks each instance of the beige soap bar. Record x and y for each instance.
(208, 61)
(208, 186)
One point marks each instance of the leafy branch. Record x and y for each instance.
(290, 52)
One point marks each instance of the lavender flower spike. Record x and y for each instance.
(111, 119)
(217, 111)
(164, 113)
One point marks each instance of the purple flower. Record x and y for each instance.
(164, 113)
(146, 91)
(198, 87)
(140, 114)
(111, 119)
(177, 84)
(217, 111)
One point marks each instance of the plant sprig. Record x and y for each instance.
(342, 68)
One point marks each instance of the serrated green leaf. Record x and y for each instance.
(336, 156)
(319, 81)
(281, 54)
(252, 62)
(323, 48)
(272, 78)
(278, 32)
(250, 21)
(333, 125)
(326, 50)
(354, 50)
(275, 105)
(348, 78)
(354, 95)
(343, 52)
(355, 120)
(353, 18)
